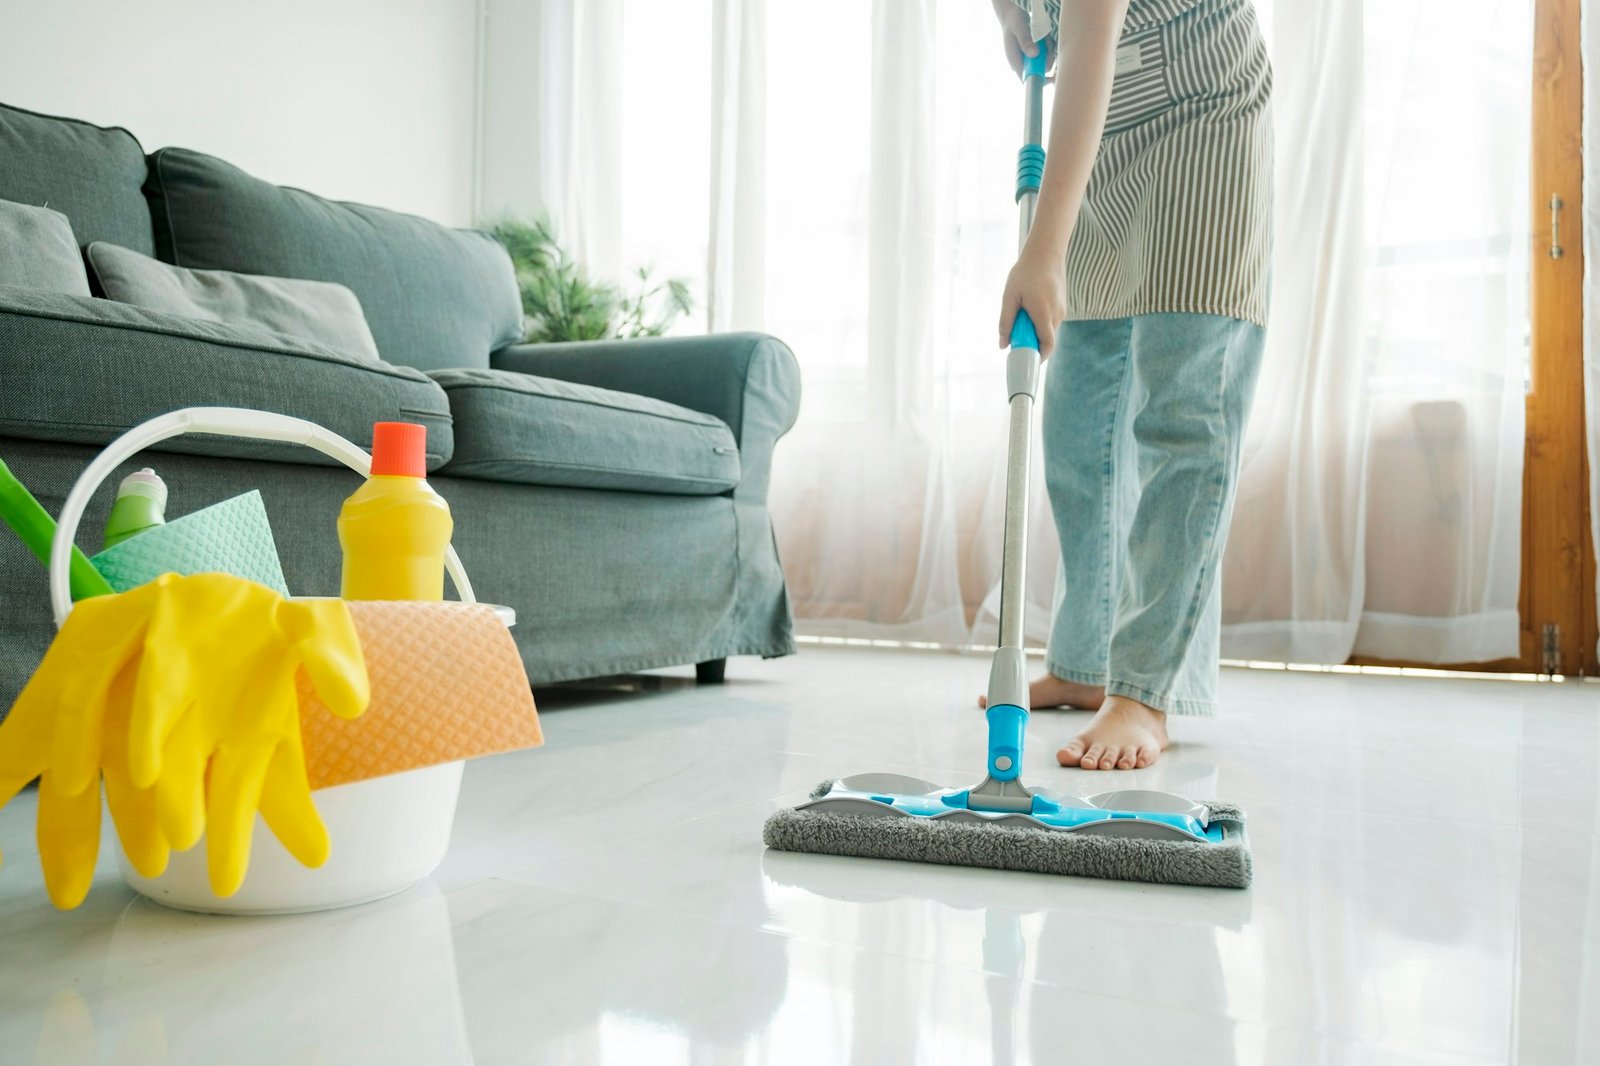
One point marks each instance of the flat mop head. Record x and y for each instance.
(842, 818)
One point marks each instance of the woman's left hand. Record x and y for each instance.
(1037, 284)
(1016, 35)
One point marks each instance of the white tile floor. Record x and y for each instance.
(1427, 890)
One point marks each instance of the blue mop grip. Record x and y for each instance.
(1023, 335)
(1034, 66)
(1006, 724)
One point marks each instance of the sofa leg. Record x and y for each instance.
(711, 673)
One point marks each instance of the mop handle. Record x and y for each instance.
(1008, 676)
(1030, 169)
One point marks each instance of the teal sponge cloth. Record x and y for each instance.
(231, 537)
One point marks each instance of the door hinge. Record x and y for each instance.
(1551, 662)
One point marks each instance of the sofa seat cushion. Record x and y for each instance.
(539, 431)
(82, 370)
(92, 174)
(433, 296)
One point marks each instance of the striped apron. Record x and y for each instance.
(1178, 212)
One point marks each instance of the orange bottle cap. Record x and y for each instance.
(399, 448)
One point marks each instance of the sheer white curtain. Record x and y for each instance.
(581, 126)
(892, 135)
(1380, 504)
(838, 173)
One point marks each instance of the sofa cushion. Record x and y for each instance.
(82, 371)
(38, 251)
(433, 296)
(539, 431)
(317, 311)
(92, 174)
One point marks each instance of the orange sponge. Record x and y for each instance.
(447, 684)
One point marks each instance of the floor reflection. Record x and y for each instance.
(1032, 1017)
(549, 977)
(373, 984)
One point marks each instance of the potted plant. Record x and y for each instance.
(560, 302)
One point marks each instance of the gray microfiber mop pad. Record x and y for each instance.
(1004, 846)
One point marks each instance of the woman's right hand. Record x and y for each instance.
(1037, 284)
(1016, 33)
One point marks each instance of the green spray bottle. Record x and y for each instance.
(141, 505)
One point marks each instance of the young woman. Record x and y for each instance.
(1150, 245)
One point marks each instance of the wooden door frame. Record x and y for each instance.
(1558, 566)
(1558, 562)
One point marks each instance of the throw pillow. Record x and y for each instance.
(37, 250)
(319, 311)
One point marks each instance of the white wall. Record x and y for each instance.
(369, 100)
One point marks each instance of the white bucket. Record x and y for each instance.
(388, 833)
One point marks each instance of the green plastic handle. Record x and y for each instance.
(33, 524)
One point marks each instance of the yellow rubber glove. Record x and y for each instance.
(182, 694)
(69, 812)
(214, 724)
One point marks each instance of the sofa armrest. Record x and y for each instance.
(749, 380)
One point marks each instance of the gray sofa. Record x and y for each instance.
(614, 493)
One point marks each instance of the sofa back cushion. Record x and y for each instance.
(92, 174)
(433, 296)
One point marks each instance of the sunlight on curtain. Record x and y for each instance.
(1379, 509)
(892, 225)
(1447, 140)
(1380, 506)
(594, 130)
(665, 148)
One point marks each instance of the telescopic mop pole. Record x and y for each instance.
(1008, 676)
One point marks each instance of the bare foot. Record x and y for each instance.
(1124, 735)
(1052, 691)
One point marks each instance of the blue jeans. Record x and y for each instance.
(1143, 420)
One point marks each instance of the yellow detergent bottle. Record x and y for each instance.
(395, 528)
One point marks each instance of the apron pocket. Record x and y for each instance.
(1140, 90)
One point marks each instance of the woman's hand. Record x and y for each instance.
(1038, 285)
(1016, 34)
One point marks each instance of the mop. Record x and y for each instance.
(1001, 823)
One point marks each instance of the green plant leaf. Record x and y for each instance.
(560, 302)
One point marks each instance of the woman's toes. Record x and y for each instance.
(1109, 759)
(1147, 755)
(1071, 754)
(1091, 758)
(1127, 759)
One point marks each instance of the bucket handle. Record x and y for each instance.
(223, 422)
